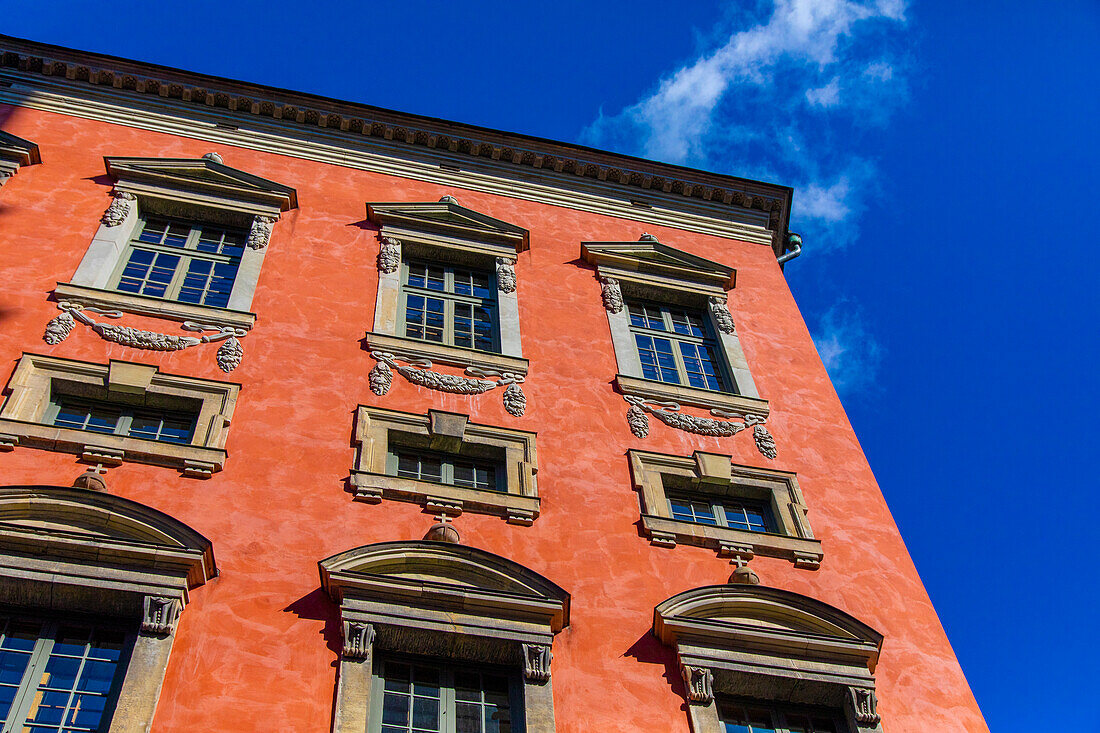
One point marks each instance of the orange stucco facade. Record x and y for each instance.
(257, 647)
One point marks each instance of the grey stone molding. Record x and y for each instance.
(16, 152)
(76, 551)
(37, 377)
(637, 416)
(358, 639)
(110, 300)
(711, 476)
(418, 371)
(447, 601)
(389, 254)
(228, 356)
(377, 429)
(122, 205)
(770, 644)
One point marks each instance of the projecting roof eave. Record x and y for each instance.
(230, 96)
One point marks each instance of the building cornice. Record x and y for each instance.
(668, 184)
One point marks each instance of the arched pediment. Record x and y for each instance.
(445, 575)
(90, 526)
(758, 617)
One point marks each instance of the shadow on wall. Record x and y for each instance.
(648, 649)
(316, 606)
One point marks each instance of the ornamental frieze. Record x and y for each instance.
(418, 371)
(640, 410)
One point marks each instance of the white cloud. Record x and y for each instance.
(784, 99)
(851, 354)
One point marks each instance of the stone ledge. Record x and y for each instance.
(372, 488)
(191, 460)
(664, 532)
(156, 307)
(703, 398)
(449, 355)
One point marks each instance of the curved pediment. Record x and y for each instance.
(428, 570)
(79, 523)
(758, 616)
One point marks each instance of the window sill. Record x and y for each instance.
(449, 355)
(111, 450)
(704, 398)
(441, 498)
(665, 532)
(147, 306)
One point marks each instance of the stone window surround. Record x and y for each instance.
(404, 236)
(684, 284)
(712, 477)
(143, 194)
(752, 641)
(32, 383)
(446, 432)
(154, 563)
(498, 612)
(15, 152)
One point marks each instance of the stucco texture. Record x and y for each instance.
(260, 642)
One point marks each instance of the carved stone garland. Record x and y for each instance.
(721, 312)
(229, 355)
(389, 255)
(637, 416)
(612, 295)
(420, 374)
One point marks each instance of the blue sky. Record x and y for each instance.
(944, 156)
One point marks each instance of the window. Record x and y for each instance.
(183, 239)
(751, 717)
(446, 464)
(57, 676)
(707, 500)
(421, 697)
(450, 305)
(105, 417)
(118, 412)
(676, 345)
(188, 263)
(446, 469)
(749, 516)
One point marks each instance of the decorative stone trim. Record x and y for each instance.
(358, 638)
(121, 206)
(377, 430)
(228, 357)
(160, 615)
(699, 682)
(418, 371)
(721, 313)
(536, 663)
(37, 377)
(146, 305)
(16, 152)
(506, 275)
(864, 706)
(637, 416)
(389, 255)
(611, 294)
(712, 477)
(260, 233)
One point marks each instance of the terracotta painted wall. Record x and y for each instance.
(259, 643)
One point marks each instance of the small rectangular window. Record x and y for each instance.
(450, 305)
(98, 416)
(188, 263)
(440, 468)
(676, 346)
(419, 697)
(58, 676)
(733, 513)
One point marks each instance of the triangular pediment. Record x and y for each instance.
(18, 151)
(447, 217)
(203, 174)
(650, 256)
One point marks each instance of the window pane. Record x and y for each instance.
(468, 718)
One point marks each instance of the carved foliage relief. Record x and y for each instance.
(640, 410)
(418, 371)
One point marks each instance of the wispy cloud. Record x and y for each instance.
(784, 97)
(849, 351)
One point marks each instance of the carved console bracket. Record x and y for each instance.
(637, 416)
(121, 206)
(260, 233)
(358, 639)
(536, 662)
(229, 354)
(611, 294)
(161, 615)
(418, 371)
(699, 683)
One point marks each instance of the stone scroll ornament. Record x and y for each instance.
(229, 354)
(637, 416)
(418, 371)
